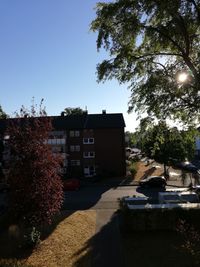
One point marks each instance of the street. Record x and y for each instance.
(103, 197)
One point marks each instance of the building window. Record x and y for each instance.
(75, 148)
(65, 162)
(75, 162)
(56, 141)
(74, 133)
(88, 140)
(89, 154)
(89, 171)
(57, 149)
(71, 133)
(77, 133)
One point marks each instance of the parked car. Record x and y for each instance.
(71, 184)
(153, 181)
(195, 188)
(186, 166)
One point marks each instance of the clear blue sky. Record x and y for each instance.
(47, 51)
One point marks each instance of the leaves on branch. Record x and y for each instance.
(149, 42)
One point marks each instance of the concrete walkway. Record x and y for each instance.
(107, 249)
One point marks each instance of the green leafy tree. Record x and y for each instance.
(131, 139)
(144, 126)
(149, 44)
(3, 115)
(72, 111)
(166, 144)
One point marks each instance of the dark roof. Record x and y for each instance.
(83, 121)
(89, 121)
(68, 122)
(115, 120)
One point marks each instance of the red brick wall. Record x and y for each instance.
(110, 151)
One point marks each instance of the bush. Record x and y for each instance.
(32, 238)
(36, 192)
(133, 169)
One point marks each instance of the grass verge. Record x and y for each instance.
(65, 246)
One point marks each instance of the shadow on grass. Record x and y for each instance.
(104, 248)
(148, 173)
(11, 245)
(115, 246)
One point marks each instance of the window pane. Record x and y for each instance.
(91, 140)
(85, 140)
(77, 133)
(71, 133)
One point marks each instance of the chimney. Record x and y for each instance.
(103, 111)
(62, 114)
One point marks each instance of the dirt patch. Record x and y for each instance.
(144, 170)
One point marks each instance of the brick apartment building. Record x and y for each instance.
(90, 144)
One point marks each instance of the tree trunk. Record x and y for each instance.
(166, 171)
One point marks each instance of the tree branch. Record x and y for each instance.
(165, 69)
(183, 54)
(158, 54)
(183, 27)
(167, 37)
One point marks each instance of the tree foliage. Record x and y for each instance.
(3, 115)
(36, 188)
(165, 144)
(149, 44)
(72, 111)
(131, 139)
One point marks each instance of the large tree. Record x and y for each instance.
(149, 44)
(167, 145)
(35, 185)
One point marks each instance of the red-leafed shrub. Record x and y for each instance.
(35, 186)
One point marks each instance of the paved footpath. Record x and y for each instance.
(107, 249)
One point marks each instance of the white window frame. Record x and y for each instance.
(88, 172)
(88, 141)
(56, 141)
(75, 162)
(88, 154)
(76, 133)
(72, 148)
(75, 148)
(73, 133)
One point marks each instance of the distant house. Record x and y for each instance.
(90, 144)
